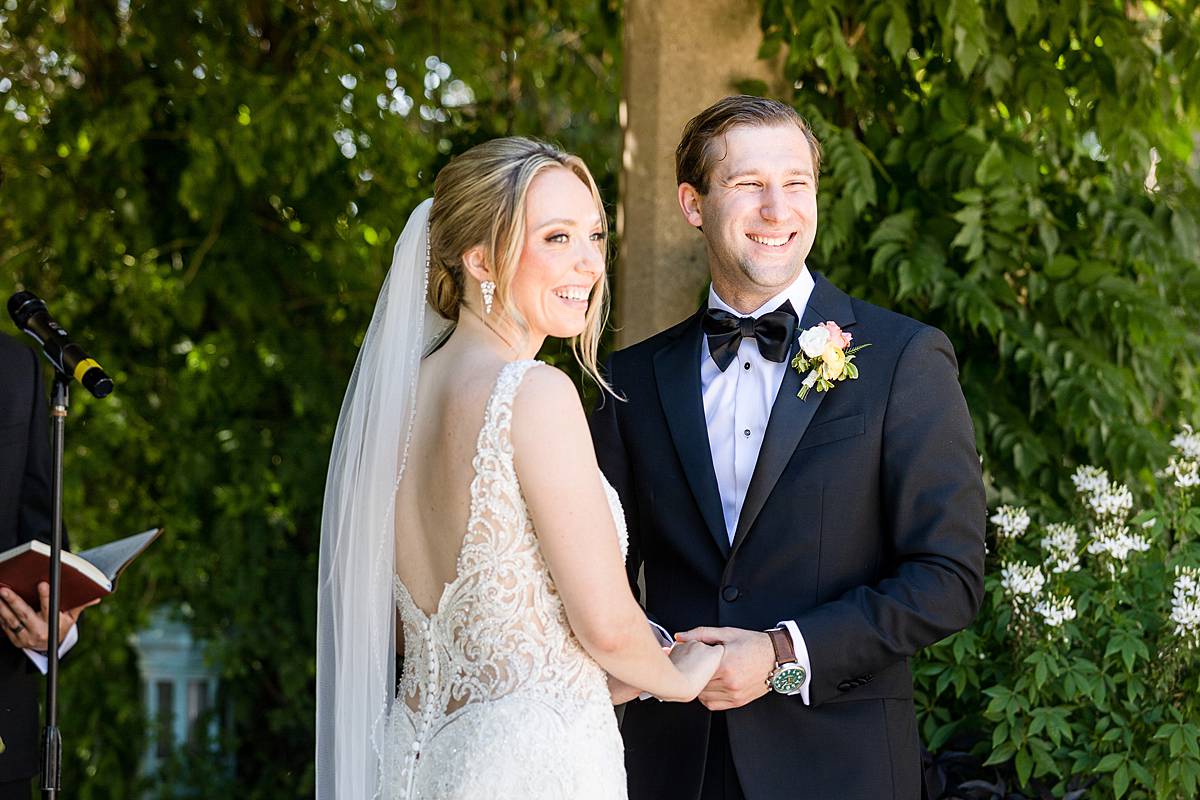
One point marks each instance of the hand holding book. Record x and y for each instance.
(86, 577)
(29, 629)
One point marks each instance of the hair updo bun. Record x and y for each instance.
(445, 287)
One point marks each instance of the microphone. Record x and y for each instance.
(30, 314)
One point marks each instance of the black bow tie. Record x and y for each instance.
(772, 331)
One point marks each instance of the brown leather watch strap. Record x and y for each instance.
(781, 640)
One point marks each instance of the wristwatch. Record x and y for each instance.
(788, 676)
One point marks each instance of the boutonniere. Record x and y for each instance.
(826, 355)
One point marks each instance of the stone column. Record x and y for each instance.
(680, 57)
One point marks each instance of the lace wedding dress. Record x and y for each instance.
(497, 698)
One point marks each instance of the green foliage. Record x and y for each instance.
(1107, 694)
(1026, 177)
(986, 170)
(212, 191)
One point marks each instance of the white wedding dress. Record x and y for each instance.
(497, 698)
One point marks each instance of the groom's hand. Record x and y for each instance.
(745, 666)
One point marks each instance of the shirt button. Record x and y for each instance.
(747, 365)
(746, 432)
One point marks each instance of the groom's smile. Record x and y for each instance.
(772, 241)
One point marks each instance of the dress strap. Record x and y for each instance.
(497, 419)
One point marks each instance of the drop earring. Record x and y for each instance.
(489, 292)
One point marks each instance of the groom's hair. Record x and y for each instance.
(695, 156)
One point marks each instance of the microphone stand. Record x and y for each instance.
(51, 737)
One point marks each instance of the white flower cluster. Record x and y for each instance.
(1185, 605)
(1011, 521)
(1187, 443)
(1184, 471)
(1115, 540)
(1114, 500)
(1103, 497)
(1089, 479)
(1021, 580)
(1056, 610)
(1061, 544)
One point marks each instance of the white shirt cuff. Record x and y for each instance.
(42, 662)
(662, 634)
(666, 640)
(801, 656)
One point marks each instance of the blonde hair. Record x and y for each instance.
(479, 199)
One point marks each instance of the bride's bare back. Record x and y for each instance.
(434, 495)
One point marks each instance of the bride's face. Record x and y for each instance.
(563, 257)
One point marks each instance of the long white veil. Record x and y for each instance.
(356, 648)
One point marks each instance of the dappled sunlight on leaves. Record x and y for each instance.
(208, 195)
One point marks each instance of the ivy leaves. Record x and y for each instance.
(986, 172)
(1014, 173)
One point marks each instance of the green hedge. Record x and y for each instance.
(1027, 177)
(208, 193)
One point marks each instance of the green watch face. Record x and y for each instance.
(788, 678)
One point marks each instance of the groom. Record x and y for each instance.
(824, 541)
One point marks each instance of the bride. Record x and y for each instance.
(467, 528)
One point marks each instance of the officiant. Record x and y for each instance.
(25, 514)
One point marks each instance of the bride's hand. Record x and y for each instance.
(697, 661)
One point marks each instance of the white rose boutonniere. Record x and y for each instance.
(813, 340)
(826, 355)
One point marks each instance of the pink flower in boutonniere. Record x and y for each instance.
(825, 354)
(836, 334)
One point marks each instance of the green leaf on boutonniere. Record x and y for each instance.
(815, 378)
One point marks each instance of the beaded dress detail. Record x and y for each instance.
(497, 698)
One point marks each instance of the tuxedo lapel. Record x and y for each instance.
(790, 416)
(677, 372)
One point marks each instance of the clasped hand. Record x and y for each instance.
(696, 660)
(30, 629)
(745, 665)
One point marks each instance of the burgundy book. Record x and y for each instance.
(85, 576)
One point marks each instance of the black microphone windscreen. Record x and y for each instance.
(22, 305)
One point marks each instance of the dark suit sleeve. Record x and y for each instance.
(34, 515)
(934, 514)
(614, 463)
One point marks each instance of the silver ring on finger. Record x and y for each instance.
(20, 626)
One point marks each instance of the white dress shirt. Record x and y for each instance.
(737, 406)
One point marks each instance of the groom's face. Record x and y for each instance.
(760, 214)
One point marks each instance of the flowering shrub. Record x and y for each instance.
(1079, 678)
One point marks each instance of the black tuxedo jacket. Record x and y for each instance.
(24, 515)
(863, 522)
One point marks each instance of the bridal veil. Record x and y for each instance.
(356, 612)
